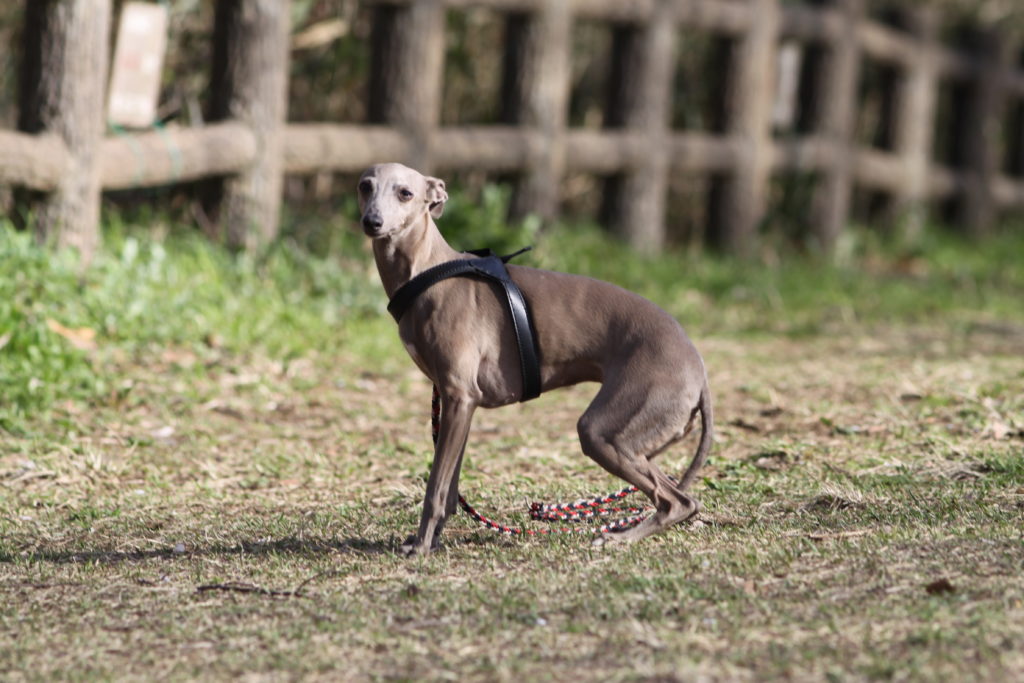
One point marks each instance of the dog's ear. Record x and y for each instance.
(436, 196)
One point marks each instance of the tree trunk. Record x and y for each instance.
(406, 74)
(639, 101)
(250, 85)
(977, 135)
(63, 86)
(535, 93)
(738, 200)
(916, 98)
(835, 99)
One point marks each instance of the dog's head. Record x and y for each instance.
(392, 197)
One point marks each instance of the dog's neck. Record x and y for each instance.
(403, 256)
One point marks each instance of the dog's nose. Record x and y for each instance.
(372, 221)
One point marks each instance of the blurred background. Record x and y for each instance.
(753, 166)
(332, 45)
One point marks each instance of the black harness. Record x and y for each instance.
(487, 266)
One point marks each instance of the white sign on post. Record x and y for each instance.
(138, 62)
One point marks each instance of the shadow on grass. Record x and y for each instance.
(291, 545)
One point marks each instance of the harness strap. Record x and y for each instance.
(491, 267)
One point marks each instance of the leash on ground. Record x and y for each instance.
(587, 509)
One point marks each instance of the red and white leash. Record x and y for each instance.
(582, 509)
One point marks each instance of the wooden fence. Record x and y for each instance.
(62, 152)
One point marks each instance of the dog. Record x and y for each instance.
(461, 336)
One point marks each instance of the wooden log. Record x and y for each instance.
(535, 94)
(640, 92)
(516, 6)
(36, 162)
(738, 199)
(487, 148)
(886, 44)
(946, 183)
(726, 18)
(406, 71)
(978, 134)
(603, 152)
(811, 23)
(619, 11)
(703, 153)
(174, 155)
(836, 100)
(880, 170)
(1009, 192)
(810, 153)
(63, 76)
(729, 18)
(250, 85)
(324, 147)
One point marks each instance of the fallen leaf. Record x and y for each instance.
(83, 338)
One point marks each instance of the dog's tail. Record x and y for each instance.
(706, 438)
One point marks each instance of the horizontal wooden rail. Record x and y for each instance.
(491, 148)
(811, 24)
(172, 155)
(315, 147)
(714, 15)
(886, 44)
(1009, 191)
(32, 161)
(154, 158)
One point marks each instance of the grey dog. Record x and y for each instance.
(653, 381)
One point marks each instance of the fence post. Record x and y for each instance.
(639, 101)
(978, 133)
(63, 87)
(916, 100)
(250, 84)
(738, 200)
(406, 74)
(535, 93)
(836, 100)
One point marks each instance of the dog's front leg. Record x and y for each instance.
(456, 416)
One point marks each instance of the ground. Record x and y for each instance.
(233, 516)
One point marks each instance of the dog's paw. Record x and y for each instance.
(611, 539)
(414, 546)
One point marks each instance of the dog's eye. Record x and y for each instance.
(404, 194)
(365, 187)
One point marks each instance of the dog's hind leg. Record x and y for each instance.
(622, 430)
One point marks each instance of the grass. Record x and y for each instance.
(212, 482)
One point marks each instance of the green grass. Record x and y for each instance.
(145, 292)
(215, 485)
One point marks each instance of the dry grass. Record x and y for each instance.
(233, 517)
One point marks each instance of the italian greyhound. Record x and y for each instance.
(653, 381)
